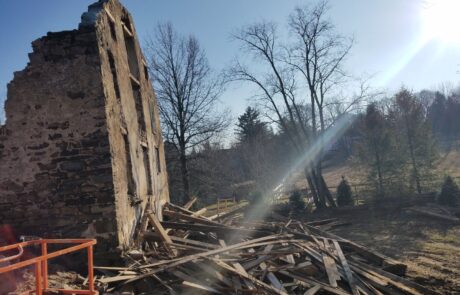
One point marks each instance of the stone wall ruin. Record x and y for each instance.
(81, 152)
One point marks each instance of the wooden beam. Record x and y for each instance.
(313, 290)
(163, 234)
(199, 212)
(212, 228)
(178, 215)
(190, 203)
(346, 268)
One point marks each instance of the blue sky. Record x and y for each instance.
(387, 34)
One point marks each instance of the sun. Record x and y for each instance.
(441, 20)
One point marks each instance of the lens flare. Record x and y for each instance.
(311, 155)
(441, 21)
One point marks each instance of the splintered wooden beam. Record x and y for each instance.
(313, 282)
(255, 281)
(190, 203)
(394, 280)
(389, 264)
(235, 209)
(313, 290)
(199, 212)
(346, 268)
(200, 287)
(331, 270)
(178, 215)
(219, 229)
(163, 234)
(153, 236)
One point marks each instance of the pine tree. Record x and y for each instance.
(415, 138)
(450, 193)
(344, 194)
(250, 127)
(296, 203)
(377, 151)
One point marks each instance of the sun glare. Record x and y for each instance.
(441, 20)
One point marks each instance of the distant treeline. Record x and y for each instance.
(395, 142)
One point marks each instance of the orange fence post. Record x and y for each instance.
(45, 264)
(90, 269)
(41, 262)
(38, 278)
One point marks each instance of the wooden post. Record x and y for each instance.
(45, 265)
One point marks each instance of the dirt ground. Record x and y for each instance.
(430, 247)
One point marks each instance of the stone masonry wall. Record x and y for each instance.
(55, 168)
(133, 122)
(81, 154)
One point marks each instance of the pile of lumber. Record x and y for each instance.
(191, 254)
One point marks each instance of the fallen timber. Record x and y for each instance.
(190, 253)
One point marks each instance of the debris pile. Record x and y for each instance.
(189, 253)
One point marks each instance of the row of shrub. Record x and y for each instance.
(449, 196)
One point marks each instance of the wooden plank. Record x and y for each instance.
(346, 268)
(233, 210)
(127, 30)
(397, 281)
(257, 282)
(164, 265)
(200, 287)
(115, 279)
(312, 282)
(321, 222)
(178, 215)
(190, 203)
(199, 212)
(389, 264)
(270, 276)
(331, 270)
(215, 273)
(163, 235)
(313, 290)
(241, 269)
(153, 236)
(212, 228)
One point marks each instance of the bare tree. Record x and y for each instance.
(318, 54)
(313, 62)
(187, 93)
(278, 93)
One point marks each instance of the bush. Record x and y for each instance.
(296, 202)
(255, 197)
(344, 195)
(450, 194)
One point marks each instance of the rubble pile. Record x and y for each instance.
(228, 254)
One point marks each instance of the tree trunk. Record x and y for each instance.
(318, 188)
(312, 188)
(185, 180)
(412, 156)
(379, 169)
(414, 166)
(326, 191)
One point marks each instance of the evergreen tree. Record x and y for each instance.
(250, 127)
(378, 151)
(415, 138)
(437, 114)
(256, 149)
(296, 203)
(344, 194)
(450, 193)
